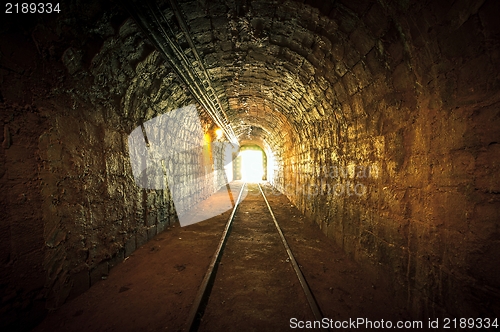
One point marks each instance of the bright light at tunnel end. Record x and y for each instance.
(252, 167)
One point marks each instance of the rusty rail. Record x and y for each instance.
(201, 299)
(303, 283)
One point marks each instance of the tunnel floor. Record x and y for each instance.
(154, 288)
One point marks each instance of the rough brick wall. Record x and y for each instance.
(420, 111)
(71, 208)
(21, 230)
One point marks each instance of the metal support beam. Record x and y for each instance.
(169, 36)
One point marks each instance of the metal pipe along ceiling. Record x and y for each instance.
(185, 61)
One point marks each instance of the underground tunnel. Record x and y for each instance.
(372, 126)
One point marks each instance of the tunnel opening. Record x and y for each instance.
(251, 164)
(252, 168)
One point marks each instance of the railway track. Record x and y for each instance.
(251, 274)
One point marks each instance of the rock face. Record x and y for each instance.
(382, 119)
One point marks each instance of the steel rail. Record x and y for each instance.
(305, 287)
(201, 298)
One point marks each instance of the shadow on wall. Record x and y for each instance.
(165, 150)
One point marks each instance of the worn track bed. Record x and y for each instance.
(245, 287)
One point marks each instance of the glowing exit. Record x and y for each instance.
(252, 165)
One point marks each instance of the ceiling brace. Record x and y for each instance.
(169, 37)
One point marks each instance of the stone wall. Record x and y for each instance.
(71, 208)
(418, 138)
(22, 239)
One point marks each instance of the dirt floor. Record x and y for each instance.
(255, 289)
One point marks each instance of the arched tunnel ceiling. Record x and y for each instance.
(265, 55)
(284, 65)
(273, 63)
